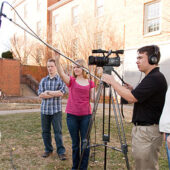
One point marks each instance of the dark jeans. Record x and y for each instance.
(78, 126)
(56, 121)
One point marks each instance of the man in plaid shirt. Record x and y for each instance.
(51, 89)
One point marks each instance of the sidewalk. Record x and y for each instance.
(6, 112)
(127, 109)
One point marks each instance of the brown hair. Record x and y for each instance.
(51, 60)
(152, 50)
(81, 62)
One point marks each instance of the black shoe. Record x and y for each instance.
(62, 157)
(46, 154)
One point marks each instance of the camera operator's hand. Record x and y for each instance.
(121, 90)
(128, 86)
(109, 79)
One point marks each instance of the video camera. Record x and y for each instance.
(105, 61)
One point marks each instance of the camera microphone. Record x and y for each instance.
(118, 51)
(99, 51)
(104, 51)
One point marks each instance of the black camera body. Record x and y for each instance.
(105, 61)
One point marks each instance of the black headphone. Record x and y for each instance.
(153, 59)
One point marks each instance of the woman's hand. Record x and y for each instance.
(57, 58)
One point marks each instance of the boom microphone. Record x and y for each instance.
(1, 14)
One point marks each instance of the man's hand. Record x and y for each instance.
(55, 93)
(50, 94)
(45, 95)
(109, 79)
(128, 86)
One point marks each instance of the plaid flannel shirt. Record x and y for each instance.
(51, 105)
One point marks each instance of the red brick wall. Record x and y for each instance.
(10, 77)
(35, 71)
(51, 2)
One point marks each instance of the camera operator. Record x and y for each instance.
(148, 98)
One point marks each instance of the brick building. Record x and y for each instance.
(113, 25)
(76, 27)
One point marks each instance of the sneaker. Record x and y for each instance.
(62, 157)
(46, 154)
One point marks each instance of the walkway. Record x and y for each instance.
(5, 112)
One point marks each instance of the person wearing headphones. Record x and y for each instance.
(148, 98)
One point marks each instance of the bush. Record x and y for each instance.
(7, 54)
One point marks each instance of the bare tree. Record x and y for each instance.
(85, 33)
(18, 49)
(28, 51)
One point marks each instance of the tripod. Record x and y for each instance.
(118, 119)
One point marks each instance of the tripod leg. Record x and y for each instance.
(105, 155)
(86, 141)
(120, 129)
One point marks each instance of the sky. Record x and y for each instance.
(6, 28)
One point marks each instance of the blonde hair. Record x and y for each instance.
(81, 62)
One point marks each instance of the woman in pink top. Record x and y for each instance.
(78, 110)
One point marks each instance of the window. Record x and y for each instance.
(39, 56)
(75, 47)
(75, 17)
(39, 5)
(25, 11)
(25, 59)
(39, 28)
(99, 7)
(25, 38)
(56, 23)
(152, 18)
(98, 40)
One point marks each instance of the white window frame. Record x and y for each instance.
(56, 23)
(98, 37)
(39, 54)
(25, 10)
(152, 17)
(75, 15)
(39, 5)
(75, 47)
(39, 28)
(99, 8)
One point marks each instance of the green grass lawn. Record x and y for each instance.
(21, 145)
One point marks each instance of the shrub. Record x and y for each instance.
(7, 54)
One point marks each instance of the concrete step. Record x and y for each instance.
(26, 91)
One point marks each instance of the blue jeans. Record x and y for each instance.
(78, 126)
(167, 150)
(56, 121)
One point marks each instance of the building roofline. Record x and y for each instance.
(58, 4)
(17, 2)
